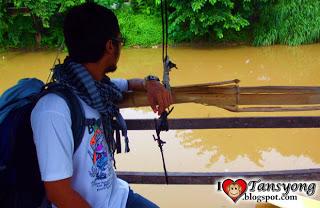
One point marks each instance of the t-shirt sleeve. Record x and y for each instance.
(122, 84)
(53, 138)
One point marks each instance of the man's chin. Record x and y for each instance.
(111, 69)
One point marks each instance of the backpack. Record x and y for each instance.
(20, 180)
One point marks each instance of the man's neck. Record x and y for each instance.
(96, 70)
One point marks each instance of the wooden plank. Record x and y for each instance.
(282, 89)
(231, 95)
(213, 177)
(226, 123)
(279, 99)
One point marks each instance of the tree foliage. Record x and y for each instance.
(261, 22)
(139, 30)
(148, 7)
(41, 27)
(205, 19)
(140, 23)
(291, 22)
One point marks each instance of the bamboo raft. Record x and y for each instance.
(230, 96)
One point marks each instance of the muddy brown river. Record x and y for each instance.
(204, 150)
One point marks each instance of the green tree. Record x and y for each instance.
(111, 4)
(204, 19)
(147, 7)
(45, 9)
(261, 22)
(140, 29)
(291, 22)
(41, 27)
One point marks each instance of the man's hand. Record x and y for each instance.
(158, 96)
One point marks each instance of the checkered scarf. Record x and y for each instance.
(101, 95)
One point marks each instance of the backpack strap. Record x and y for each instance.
(78, 119)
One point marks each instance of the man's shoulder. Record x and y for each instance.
(52, 103)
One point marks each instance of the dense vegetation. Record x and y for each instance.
(258, 22)
(291, 22)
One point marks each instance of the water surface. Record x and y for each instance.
(205, 150)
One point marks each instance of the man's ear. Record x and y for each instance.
(109, 47)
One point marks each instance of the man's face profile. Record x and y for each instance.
(115, 55)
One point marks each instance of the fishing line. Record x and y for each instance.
(49, 79)
(161, 124)
(163, 28)
(165, 33)
(166, 18)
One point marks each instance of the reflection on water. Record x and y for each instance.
(264, 149)
(205, 150)
(222, 150)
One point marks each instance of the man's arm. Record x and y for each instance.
(136, 85)
(52, 133)
(61, 194)
(159, 98)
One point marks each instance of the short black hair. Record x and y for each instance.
(87, 28)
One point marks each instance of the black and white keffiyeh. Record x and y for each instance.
(101, 95)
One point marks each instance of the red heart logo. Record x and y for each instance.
(234, 189)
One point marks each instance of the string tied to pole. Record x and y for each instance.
(161, 124)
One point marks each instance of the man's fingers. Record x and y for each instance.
(169, 99)
(152, 103)
(165, 100)
(167, 96)
(160, 103)
(159, 98)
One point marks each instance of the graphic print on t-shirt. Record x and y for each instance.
(101, 170)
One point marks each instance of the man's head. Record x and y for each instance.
(90, 30)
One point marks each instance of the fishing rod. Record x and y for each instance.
(167, 63)
(161, 124)
(55, 62)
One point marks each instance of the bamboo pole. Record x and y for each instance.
(228, 95)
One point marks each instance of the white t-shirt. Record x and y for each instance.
(91, 166)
